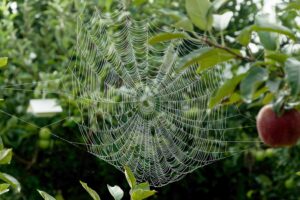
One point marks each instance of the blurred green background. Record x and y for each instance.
(38, 38)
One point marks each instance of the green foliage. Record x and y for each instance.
(11, 180)
(165, 37)
(5, 156)
(138, 191)
(226, 89)
(38, 41)
(205, 57)
(45, 195)
(265, 26)
(292, 69)
(3, 62)
(130, 177)
(200, 14)
(4, 187)
(91, 192)
(252, 81)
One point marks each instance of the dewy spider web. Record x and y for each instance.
(143, 111)
(138, 109)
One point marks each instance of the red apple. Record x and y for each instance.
(278, 131)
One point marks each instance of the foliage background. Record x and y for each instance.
(38, 37)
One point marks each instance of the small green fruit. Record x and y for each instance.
(289, 183)
(44, 144)
(270, 152)
(260, 155)
(45, 134)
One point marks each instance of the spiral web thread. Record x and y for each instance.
(143, 112)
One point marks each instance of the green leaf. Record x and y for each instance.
(140, 194)
(293, 5)
(3, 61)
(225, 90)
(116, 192)
(4, 188)
(163, 37)
(138, 2)
(1, 144)
(130, 177)
(244, 37)
(275, 28)
(143, 186)
(11, 180)
(292, 70)
(254, 78)
(273, 85)
(268, 40)
(5, 156)
(185, 24)
(277, 56)
(217, 4)
(173, 14)
(199, 13)
(205, 57)
(91, 192)
(298, 173)
(213, 57)
(45, 195)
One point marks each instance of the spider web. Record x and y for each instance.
(143, 112)
(138, 107)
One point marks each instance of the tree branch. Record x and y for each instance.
(205, 40)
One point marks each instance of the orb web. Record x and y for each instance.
(143, 111)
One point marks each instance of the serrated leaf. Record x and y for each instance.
(292, 70)
(140, 194)
(3, 61)
(199, 13)
(225, 90)
(251, 82)
(11, 180)
(91, 192)
(5, 156)
(45, 195)
(116, 192)
(163, 37)
(205, 57)
(130, 177)
(4, 188)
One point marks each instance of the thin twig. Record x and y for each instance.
(205, 40)
(237, 55)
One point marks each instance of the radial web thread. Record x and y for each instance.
(143, 111)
